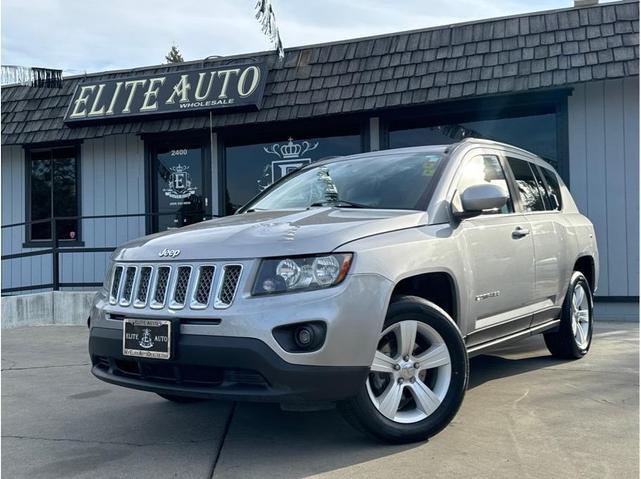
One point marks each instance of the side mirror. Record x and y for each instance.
(478, 198)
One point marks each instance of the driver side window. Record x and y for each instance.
(479, 170)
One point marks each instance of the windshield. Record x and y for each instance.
(400, 181)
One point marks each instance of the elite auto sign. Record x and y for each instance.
(178, 91)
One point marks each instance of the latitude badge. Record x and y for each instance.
(179, 183)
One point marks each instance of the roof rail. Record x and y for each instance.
(470, 139)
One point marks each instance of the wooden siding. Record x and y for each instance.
(112, 182)
(19, 271)
(604, 175)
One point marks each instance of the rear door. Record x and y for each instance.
(541, 207)
(499, 254)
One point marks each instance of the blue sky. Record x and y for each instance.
(95, 35)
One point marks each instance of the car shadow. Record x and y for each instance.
(292, 444)
(518, 358)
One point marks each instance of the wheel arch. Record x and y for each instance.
(585, 265)
(437, 287)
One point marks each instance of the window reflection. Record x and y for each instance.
(252, 168)
(535, 133)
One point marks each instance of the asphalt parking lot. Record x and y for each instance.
(525, 415)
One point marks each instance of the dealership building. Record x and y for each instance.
(115, 155)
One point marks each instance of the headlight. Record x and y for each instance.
(280, 275)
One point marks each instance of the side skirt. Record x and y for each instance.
(480, 348)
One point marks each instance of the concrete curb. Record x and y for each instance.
(48, 308)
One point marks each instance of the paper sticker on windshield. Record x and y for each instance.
(429, 165)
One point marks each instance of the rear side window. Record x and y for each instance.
(541, 184)
(553, 189)
(527, 185)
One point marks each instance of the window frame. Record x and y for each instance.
(40, 243)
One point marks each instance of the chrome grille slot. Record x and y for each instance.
(162, 282)
(144, 282)
(128, 286)
(182, 284)
(228, 285)
(202, 291)
(175, 286)
(115, 285)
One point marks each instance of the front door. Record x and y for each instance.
(500, 257)
(180, 184)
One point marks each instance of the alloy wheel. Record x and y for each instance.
(580, 310)
(411, 372)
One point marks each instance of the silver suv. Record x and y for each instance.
(365, 280)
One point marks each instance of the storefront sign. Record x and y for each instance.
(202, 89)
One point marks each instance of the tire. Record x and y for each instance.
(179, 399)
(429, 397)
(574, 336)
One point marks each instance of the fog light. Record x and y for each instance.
(301, 337)
(304, 337)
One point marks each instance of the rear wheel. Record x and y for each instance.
(179, 399)
(574, 337)
(418, 376)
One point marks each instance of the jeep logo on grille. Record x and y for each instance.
(171, 253)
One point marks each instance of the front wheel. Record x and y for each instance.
(418, 376)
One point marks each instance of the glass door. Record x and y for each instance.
(180, 184)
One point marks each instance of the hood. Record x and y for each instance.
(270, 233)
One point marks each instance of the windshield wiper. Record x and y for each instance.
(340, 203)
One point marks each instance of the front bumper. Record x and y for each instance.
(221, 367)
(353, 313)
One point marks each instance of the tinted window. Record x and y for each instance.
(527, 185)
(384, 181)
(250, 169)
(179, 185)
(541, 184)
(553, 189)
(479, 170)
(535, 133)
(53, 192)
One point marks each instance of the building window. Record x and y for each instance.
(180, 183)
(53, 180)
(249, 169)
(535, 133)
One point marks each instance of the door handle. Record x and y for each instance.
(520, 232)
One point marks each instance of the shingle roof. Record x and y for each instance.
(512, 54)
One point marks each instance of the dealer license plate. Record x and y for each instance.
(146, 338)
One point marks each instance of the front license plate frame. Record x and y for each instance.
(137, 346)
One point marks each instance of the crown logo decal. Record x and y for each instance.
(179, 168)
(290, 150)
